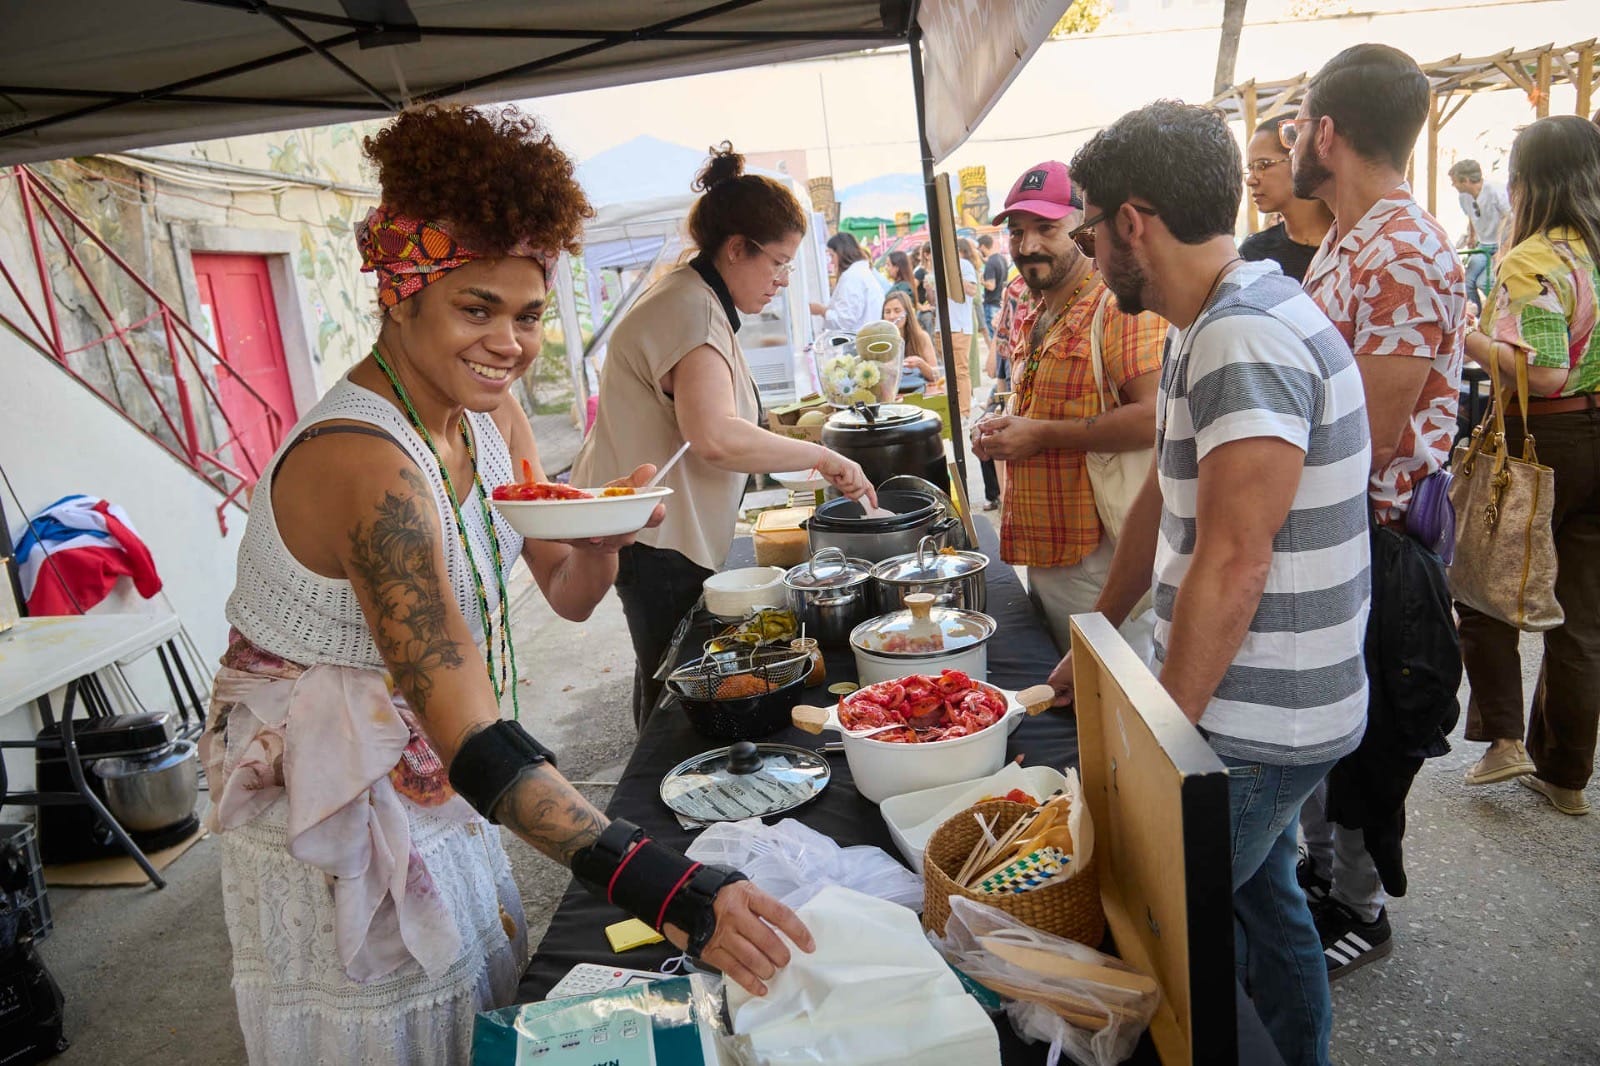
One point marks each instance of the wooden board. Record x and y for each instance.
(1159, 799)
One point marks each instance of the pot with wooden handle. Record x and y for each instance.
(884, 768)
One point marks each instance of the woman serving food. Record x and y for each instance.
(369, 905)
(674, 373)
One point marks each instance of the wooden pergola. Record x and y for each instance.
(1532, 71)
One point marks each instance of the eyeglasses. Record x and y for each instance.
(1261, 166)
(783, 268)
(1289, 131)
(1083, 236)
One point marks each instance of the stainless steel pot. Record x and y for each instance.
(830, 595)
(876, 547)
(150, 792)
(953, 579)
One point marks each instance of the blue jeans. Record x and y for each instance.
(1477, 269)
(1276, 948)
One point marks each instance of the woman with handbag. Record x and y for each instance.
(1539, 331)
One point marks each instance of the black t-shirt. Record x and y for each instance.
(994, 269)
(1275, 244)
(921, 274)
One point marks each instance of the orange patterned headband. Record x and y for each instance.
(409, 254)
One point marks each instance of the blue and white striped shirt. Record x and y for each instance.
(1264, 361)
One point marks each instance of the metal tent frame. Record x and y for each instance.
(1533, 71)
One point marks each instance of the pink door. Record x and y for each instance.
(236, 291)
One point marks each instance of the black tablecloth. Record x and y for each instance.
(1020, 654)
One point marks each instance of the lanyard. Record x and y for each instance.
(508, 658)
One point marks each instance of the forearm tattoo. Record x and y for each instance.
(547, 812)
(393, 556)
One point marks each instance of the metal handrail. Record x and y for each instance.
(232, 478)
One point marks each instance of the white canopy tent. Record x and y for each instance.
(83, 76)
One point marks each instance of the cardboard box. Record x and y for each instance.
(781, 420)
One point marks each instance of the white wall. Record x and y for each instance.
(56, 438)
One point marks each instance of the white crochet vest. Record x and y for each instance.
(283, 608)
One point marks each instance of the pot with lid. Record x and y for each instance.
(953, 578)
(830, 595)
(889, 439)
(842, 523)
(922, 639)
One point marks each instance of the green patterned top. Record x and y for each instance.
(1545, 303)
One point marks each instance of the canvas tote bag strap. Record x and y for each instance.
(1097, 332)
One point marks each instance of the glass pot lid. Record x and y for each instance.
(930, 563)
(829, 568)
(922, 630)
(744, 780)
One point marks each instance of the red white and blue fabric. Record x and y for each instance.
(75, 551)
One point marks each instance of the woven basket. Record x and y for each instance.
(1069, 908)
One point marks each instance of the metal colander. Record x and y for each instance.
(712, 676)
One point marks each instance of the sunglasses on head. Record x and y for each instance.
(1083, 236)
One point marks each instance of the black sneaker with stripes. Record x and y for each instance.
(1348, 943)
(1314, 885)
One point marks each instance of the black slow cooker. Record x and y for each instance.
(889, 439)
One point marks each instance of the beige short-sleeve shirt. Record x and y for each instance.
(638, 422)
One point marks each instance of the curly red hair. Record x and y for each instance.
(494, 176)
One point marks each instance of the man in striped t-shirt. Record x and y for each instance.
(1254, 521)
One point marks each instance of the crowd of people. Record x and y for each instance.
(1222, 448)
(1302, 390)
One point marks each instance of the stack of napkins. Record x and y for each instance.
(875, 991)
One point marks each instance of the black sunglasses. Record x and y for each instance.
(1083, 236)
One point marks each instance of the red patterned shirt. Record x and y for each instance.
(1394, 286)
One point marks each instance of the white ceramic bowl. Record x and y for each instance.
(603, 516)
(732, 594)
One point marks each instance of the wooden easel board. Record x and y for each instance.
(1159, 799)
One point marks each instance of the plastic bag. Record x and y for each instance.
(794, 862)
(1037, 1001)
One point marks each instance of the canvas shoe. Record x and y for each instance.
(1566, 800)
(1348, 943)
(1500, 765)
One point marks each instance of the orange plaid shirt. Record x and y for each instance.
(1047, 517)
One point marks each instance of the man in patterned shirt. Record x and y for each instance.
(1389, 280)
(1048, 521)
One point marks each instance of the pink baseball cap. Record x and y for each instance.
(1045, 190)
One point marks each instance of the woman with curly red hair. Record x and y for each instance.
(674, 372)
(356, 743)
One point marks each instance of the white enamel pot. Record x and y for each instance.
(882, 768)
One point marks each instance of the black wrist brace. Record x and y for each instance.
(490, 762)
(653, 882)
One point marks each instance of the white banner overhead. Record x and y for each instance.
(972, 49)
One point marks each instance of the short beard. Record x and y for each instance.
(1123, 275)
(1060, 270)
(1308, 172)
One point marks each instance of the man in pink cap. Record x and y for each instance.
(1048, 520)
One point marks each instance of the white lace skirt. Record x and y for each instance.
(296, 1005)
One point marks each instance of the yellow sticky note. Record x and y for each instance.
(631, 934)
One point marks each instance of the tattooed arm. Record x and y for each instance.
(374, 515)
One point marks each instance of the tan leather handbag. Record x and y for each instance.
(1116, 477)
(1505, 561)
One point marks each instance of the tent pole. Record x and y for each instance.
(936, 241)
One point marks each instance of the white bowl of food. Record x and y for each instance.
(542, 510)
(733, 594)
(801, 480)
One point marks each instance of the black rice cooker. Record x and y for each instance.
(889, 439)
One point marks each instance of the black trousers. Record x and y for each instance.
(657, 587)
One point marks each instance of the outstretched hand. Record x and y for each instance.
(744, 946)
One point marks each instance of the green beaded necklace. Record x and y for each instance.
(508, 658)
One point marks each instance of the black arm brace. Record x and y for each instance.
(490, 762)
(653, 882)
